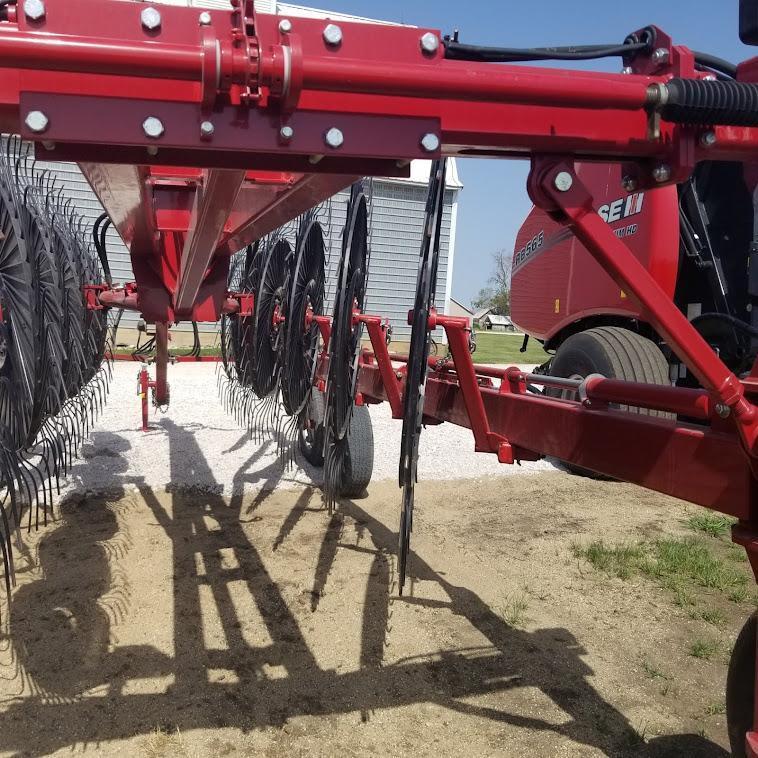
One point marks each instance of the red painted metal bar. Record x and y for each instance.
(392, 386)
(90, 55)
(143, 388)
(161, 364)
(213, 204)
(458, 331)
(676, 459)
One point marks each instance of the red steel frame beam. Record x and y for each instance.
(209, 214)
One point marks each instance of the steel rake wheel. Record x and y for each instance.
(305, 299)
(418, 354)
(344, 348)
(268, 336)
(245, 326)
(17, 327)
(51, 343)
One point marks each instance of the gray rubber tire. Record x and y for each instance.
(616, 353)
(740, 688)
(360, 460)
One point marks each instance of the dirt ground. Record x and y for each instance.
(172, 623)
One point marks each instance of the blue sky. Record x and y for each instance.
(493, 202)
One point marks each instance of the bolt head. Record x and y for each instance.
(708, 139)
(662, 173)
(153, 127)
(563, 181)
(204, 18)
(332, 35)
(151, 18)
(207, 129)
(152, 149)
(430, 142)
(661, 56)
(36, 121)
(334, 137)
(34, 10)
(285, 26)
(629, 183)
(723, 410)
(286, 133)
(429, 42)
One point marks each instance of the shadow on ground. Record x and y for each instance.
(60, 631)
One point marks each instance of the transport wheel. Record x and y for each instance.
(616, 353)
(311, 432)
(740, 688)
(359, 459)
(418, 354)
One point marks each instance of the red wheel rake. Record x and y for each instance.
(225, 131)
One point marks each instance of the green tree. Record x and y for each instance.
(497, 295)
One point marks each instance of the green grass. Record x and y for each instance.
(704, 649)
(502, 347)
(738, 594)
(210, 350)
(710, 615)
(653, 671)
(713, 524)
(513, 611)
(622, 560)
(714, 709)
(675, 562)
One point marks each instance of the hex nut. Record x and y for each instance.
(37, 121)
(153, 127)
(334, 137)
(332, 35)
(151, 18)
(430, 142)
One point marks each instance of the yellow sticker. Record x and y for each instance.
(557, 305)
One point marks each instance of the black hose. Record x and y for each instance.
(98, 235)
(455, 50)
(716, 63)
(458, 51)
(195, 350)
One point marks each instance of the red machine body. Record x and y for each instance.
(557, 284)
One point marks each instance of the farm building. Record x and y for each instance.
(494, 323)
(397, 210)
(459, 309)
(479, 317)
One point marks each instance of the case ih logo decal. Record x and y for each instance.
(622, 208)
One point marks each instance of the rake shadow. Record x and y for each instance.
(44, 638)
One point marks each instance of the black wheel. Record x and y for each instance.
(268, 334)
(413, 399)
(616, 353)
(359, 459)
(305, 298)
(344, 345)
(740, 688)
(311, 430)
(244, 334)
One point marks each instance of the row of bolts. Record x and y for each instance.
(153, 127)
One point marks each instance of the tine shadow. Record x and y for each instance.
(240, 657)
